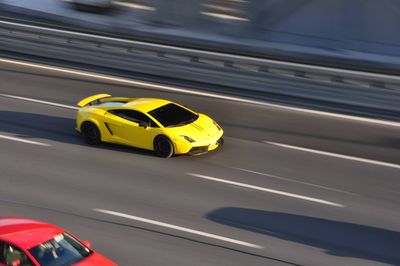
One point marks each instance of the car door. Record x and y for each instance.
(11, 255)
(132, 127)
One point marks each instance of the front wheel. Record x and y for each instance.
(91, 133)
(163, 147)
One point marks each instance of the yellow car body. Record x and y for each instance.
(147, 123)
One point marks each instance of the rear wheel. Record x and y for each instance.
(91, 133)
(163, 147)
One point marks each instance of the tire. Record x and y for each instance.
(163, 147)
(91, 133)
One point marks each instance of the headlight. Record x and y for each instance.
(187, 138)
(215, 124)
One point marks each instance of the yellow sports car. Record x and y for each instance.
(152, 124)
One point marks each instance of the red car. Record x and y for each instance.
(25, 242)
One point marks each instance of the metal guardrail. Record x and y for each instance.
(239, 72)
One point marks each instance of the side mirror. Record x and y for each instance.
(143, 124)
(86, 243)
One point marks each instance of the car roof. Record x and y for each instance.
(141, 104)
(26, 233)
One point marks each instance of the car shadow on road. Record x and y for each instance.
(337, 238)
(54, 128)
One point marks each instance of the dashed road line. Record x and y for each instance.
(273, 191)
(336, 155)
(24, 140)
(179, 228)
(39, 101)
(295, 181)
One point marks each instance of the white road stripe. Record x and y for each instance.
(179, 228)
(39, 101)
(23, 140)
(143, 84)
(224, 16)
(134, 6)
(294, 181)
(336, 155)
(282, 193)
(128, 5)
(150, 85)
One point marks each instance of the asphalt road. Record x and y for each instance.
(253, 202)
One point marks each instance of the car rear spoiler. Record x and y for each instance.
(91, 99)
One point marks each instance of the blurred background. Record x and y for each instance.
(357, 34)
(307, 92)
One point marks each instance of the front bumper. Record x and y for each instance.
(199, 147)
(204, 149)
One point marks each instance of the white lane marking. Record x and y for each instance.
(23, 140)
(128, 5)
(39, 101)
(224, 16)
(294, 181)
(278, 192)
(150, 85)
(144, 84)
(179, 228)
(134, 6)
(336, 155)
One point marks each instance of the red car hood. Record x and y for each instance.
(95, 260)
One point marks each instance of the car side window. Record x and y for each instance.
(13, 256)
(134, 116)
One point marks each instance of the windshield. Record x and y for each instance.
(173, 115)
(62, 250)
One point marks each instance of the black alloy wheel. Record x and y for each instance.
(91, 133)
(163, 147)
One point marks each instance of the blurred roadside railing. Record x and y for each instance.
(245, 75)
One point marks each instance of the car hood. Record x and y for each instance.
(201, 129)
(95, 260)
